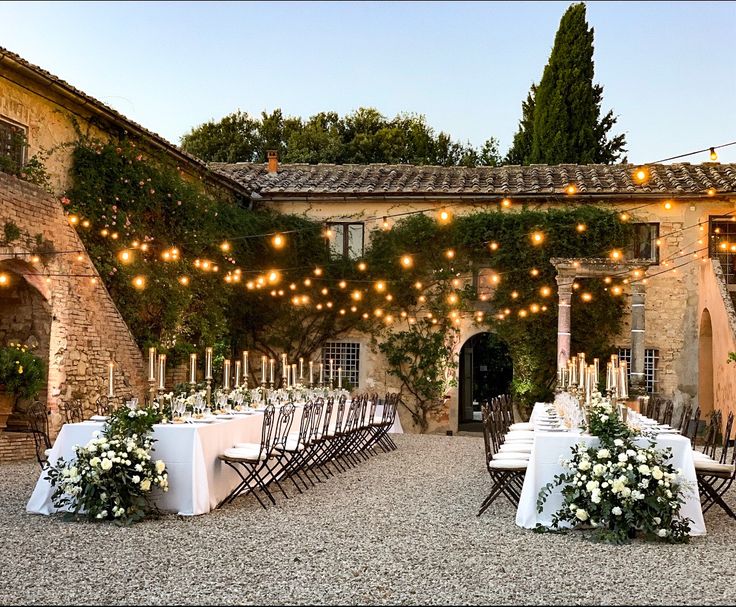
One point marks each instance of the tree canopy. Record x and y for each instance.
(561, 116)
(363, 136)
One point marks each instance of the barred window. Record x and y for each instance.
(651, 366)
(347, 239)
(644, 245)
(345, 355)
(12, 146)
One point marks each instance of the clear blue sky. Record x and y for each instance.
(668, 68)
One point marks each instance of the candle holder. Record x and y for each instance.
(151, 389)
(209, 391)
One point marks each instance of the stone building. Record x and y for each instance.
(59, 305)
(677, 339)
(679, 344)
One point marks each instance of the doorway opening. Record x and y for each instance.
(705, 365)
(486, 371)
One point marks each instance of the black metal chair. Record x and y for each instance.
(72, 411)
(104, 406)
(716, 477)
(667, 410)
(38, 421)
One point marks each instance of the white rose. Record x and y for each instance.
(160, 466)
(581, 514)
(604, 418)
(591, 485)
(136, 479)
(625, 492)
(616, 511)
(622, 457)
(106, 464)
(603, 454)
(599, 469)
(618, 442)
(657, 520)
(145, 484)
(584, 465)
(657, 473)
(662, 533)
(595, 497)
(644, 469)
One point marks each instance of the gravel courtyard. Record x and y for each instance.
(401, 528)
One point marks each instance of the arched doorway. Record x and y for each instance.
(705, 365)
(25, 317)
(485, 371)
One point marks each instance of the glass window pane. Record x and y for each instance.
(355, 240)
(337, 242)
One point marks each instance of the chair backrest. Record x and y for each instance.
(393, 407)
(726, 437)
(103, 405)
(339, 415)
(372, 409)
(283, 425)
(682, 426)
(712, 434)
(38, 420)
(329, 406)
(694, 426)
(318, 408)
(487, 433)
(73, 411)
(667, 412)
(305, 424)
(267, 430)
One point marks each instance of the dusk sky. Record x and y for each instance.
(668, 68)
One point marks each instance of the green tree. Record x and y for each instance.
(561, 117)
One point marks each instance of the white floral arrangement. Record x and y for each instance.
(619, 489)
(112, 476)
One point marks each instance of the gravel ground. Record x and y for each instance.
(399, 529)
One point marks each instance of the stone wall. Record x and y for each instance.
(86, 330)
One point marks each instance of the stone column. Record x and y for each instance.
(638, 379)
(564, 292)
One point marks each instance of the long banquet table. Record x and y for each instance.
(198, 480)
(544, 465)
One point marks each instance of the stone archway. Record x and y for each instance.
(25, 316)
(705, 364)
(485, 370)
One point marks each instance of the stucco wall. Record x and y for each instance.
(715, 299)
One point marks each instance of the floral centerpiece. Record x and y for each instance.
(22, 375)
(111, 477)
(619, 488)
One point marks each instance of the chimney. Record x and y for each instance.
(273, 161)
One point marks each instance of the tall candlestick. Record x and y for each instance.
(284, 370)
(263, 369)
(226, 374)
(237, 373)
(332, 362)
(161, 371)
(287, 378)
(311, 373)
(339, 377)
(111, 391)
(208, 363)
(321, 374)
(192, 368)
(293, 374)
(596, 365)
(245, 366)
(301, 370)
(623, 391)
(151, 364)
(272, 364)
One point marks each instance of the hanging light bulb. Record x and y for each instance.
(506, 203)
(407, 261)
(318, 271)
(342, 284)
(641, 175)
(537, 238)
(362, 266)
(139, 282)
(380, 286)
(571, 189)
(4, 279)
(385, 225)
(450, 253)
(278, 241)
(581, 227)
(184, 280)
(493, 246)
(713, 155)
(534, 272)
(668, 205)
(225, 246)
(444, 216)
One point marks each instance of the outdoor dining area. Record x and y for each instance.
(527, 461)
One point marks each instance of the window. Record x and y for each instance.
(722, 236)
(644, 245)
(347, 239)
(12, 146)
(651, 364)
(345, 355)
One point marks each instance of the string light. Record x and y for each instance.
(407, 261)
(444, 216)
(571, 189)
(184, 280)
(307, 282)
(452, 299)
(328, 233)
(493, 246)
(35, 259)
(545, 291)
(534, 272)
(616, 290)
(4, 279)
(225, 246)
(713, 155)
(537, 238)
(139, 282)
(624, 216)
(357, 295)
(668, 205)
(324, 291)
(417, 285)
(273, 277)
(506, 203)
(711, 192)
(342, 284)
(380, 286)
(86, 223)
(318, 271)
(385, 224)
(278, 241)
(581, 227)
(73, 219)
(125, 256)
(104, 232)
(450, 254)
(616, 254)
(514, 294)
(641, 175)
(362, 266)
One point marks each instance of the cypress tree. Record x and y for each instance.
(561, 120)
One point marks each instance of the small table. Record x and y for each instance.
(544, 465)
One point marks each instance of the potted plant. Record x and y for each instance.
(22, 375)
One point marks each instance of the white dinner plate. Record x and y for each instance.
(204, 420)
(224, 416)
(99, 418)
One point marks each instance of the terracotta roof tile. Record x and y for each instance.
(326, 180)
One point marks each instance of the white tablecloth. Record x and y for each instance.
(544, 465)
(198, 480)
